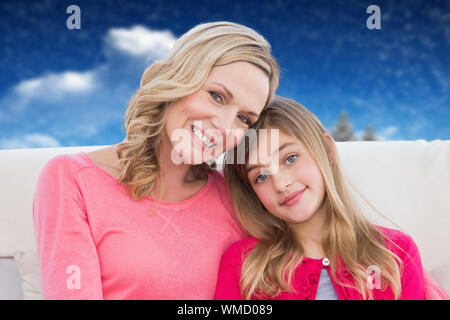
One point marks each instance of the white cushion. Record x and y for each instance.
(19, 171)
(11, 284)
(408, 181)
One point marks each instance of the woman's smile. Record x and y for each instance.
(202, 138)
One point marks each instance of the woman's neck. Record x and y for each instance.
(177, 183)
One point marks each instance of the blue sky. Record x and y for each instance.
(61, 87)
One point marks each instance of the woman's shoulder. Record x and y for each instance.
(64, 164)
(59, 174)
(219, 182)
(102, 160)
(218, 177)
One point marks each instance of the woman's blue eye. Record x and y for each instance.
(216, 96)
(245, 120)
(291, 158)
(258, 180)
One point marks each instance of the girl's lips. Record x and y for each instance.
(293, 198)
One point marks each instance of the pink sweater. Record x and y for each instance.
(95, 242)
(307, 274)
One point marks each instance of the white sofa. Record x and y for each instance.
(407, 181)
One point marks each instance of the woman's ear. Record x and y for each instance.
(331, 147)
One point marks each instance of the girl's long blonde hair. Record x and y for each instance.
(181, 73)
(269, 267)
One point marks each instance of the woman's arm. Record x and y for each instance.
(67, 253)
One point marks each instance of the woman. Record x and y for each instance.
(149, 218)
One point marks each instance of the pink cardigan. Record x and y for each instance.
(95, 242)
(306, 277)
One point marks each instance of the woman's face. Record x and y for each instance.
(212, 120)
(285, 177)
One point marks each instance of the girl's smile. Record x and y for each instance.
(293, 198)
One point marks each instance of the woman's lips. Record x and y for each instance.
(205, 141)
(293, 198)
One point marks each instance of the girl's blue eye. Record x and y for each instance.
(258, 180)
(291, 158)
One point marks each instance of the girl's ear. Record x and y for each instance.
(332, 151)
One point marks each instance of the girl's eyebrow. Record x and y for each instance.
(284, 145)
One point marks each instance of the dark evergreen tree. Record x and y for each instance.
(343, 130)
(369, 135)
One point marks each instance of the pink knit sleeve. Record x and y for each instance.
(229, 274)
(412, 277)
(67, 254)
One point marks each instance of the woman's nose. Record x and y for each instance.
(223, 121)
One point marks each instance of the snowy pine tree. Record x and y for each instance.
(369, 135)
(343, 130)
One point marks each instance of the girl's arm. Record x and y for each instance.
(229, 274)
(412, 277)
(67, 253)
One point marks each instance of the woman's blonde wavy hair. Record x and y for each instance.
(269, 267)
(181, 73)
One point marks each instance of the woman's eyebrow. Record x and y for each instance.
(228, 92)
(224, 88)
(253, 114)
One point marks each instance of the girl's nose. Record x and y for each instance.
(282, 181)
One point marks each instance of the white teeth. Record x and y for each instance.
(205, 140)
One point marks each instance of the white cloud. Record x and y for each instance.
(81, 103)
(387, 133)
(34, 140)
(141, 41)
(137, 43)
(53, 86)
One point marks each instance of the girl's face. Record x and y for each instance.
(206, 123)
(290, 185)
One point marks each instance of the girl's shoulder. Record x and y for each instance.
(246, 243)
(239, 249)
(398, 241)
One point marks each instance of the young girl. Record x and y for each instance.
(308, 240)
